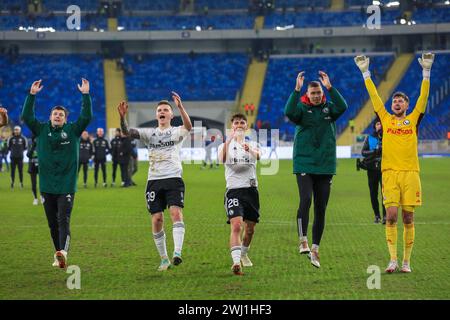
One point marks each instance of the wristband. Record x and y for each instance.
(366, 75)
(426, 73)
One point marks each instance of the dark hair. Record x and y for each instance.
(66, 112)
(118, 129)
(164, 102)
(401, 94)
(238, 116)
(314, 84)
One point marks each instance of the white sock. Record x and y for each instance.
(244, 250)
(303, 239)
(315, 248)
(236, 254)
(178, 236)
(160, 241)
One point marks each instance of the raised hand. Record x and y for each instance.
(325, 80)
(84, 88)
(36, 87)
(300, 80)
(362, 62)
(427, 60)
(123, 109)
(176, 98)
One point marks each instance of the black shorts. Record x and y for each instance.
(242, 202)
(161, 194)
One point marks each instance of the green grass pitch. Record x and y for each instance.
(113, 246)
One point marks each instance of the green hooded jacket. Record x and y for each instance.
(315, 132)
(57, 147)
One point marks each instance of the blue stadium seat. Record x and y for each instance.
(153, 5)
(221, 5)
(60, 75)
(61, 5)
(280, 82)
(206, 76)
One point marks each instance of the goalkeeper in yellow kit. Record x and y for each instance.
(400, 162)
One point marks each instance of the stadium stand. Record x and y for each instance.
(235, 21)
(61, 5)
(432, 15)
(60, 75)
(221, 5)
(280, 82)
(57, 22)
(325, 19)
(211, 76)
(154, 5)
(302, 3)
(436, 121)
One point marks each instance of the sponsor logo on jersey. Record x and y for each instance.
(399, 131)
(162, 144)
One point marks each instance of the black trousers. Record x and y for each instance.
(16, 163)
(58, 208)
(114, 170)
(97, 164)
(33, 176)
(374, 178)
(3, 157)
(317, 187)
(124, 173)
(85, 170)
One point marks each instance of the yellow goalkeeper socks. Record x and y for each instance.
(408, 240)
(391, 238)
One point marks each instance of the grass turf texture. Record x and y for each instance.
(112, 243)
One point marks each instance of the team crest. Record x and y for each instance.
(63, 135)
(326, 110)
(406, 122)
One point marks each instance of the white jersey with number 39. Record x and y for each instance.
(164, 151)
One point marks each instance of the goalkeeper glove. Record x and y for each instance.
(426, 62)
(363, 64)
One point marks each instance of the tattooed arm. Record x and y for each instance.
(132, 133)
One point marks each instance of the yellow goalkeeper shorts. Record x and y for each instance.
(401, 188)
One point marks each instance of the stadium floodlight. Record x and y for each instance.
(393, 4)
(120, 28)
(402, 21)
(198, 28)
(376, 2)
(447, 2)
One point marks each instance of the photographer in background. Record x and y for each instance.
(371, 152)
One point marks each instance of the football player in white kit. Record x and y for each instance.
(165, 187)
(241, 198)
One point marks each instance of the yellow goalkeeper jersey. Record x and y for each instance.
(399, 136)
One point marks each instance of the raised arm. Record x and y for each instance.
(426, 62)
(291, 110)
(86, 108)
(123, 110)
(340, 105)
(184, 116)
(223, 152)
(3, 117)
(28, 114)
(363, 64)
